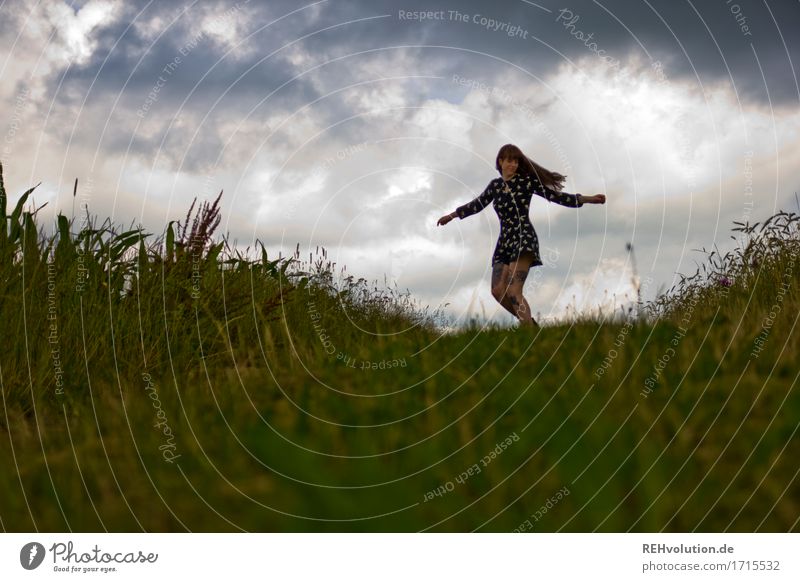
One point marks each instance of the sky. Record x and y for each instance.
(353, 126)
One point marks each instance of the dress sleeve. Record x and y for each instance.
(478, 203)
(562, 198)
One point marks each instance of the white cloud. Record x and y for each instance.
(49, 37)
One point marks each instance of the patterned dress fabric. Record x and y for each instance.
(512, 201)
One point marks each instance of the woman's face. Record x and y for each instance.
(508, 166)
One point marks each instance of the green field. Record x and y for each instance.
(170, 383)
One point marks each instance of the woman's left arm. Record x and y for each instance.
(562, 198)
(596, 199)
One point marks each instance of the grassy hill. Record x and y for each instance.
(174, 384)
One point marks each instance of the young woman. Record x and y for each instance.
(517, 248)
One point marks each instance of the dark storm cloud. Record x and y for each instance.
(701, 39)
(139, 74)
(183, 63)
(705, 42)
(699, 43)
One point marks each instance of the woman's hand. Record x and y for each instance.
(596, 199)
(445, 219)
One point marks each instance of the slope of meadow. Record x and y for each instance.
(173, 384)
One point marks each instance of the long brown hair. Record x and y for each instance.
(525, 165)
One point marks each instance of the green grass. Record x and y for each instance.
(273, 425)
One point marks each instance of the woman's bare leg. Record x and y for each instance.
(519, 272)
(501, 281)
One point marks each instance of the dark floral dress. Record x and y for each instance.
(512, 202)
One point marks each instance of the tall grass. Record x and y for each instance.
(130, 302)
(174, 382)
(740, 279)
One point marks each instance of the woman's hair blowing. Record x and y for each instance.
(525, 165)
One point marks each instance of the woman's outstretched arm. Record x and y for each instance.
(471, 207)
(562, 198)
(474, 206)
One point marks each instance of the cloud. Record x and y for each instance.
(343, 124)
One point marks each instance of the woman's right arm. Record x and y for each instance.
(471, 207)
(445, 219)
(478, 204)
